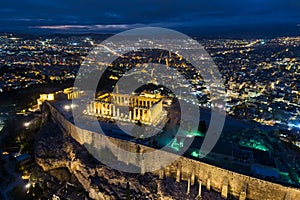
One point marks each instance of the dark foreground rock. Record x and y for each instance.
(54, 150)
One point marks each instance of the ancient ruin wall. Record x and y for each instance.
(184, 169)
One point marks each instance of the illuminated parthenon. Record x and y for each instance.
(145, 107)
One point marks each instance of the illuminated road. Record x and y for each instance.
(111, 50)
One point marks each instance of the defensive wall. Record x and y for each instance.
(183, 169)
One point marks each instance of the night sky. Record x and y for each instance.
(196, 16)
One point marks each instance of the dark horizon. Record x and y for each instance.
(217, 18)
(232, 32)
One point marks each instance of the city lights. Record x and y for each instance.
(68, 107)
(27, 186)
(27, 124)
(45, 143)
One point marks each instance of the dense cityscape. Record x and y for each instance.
(262, 95)
(263, 88)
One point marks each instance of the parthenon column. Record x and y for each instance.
(110, 109)
(98, 108)
(134, 113)
(130, 114)
(118, 112)
(148, 116)
(114, 110)
(102, 109)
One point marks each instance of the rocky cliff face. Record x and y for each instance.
(56, 150)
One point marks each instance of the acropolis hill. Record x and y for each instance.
(185, 170)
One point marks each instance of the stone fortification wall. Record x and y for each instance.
(185, 169)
